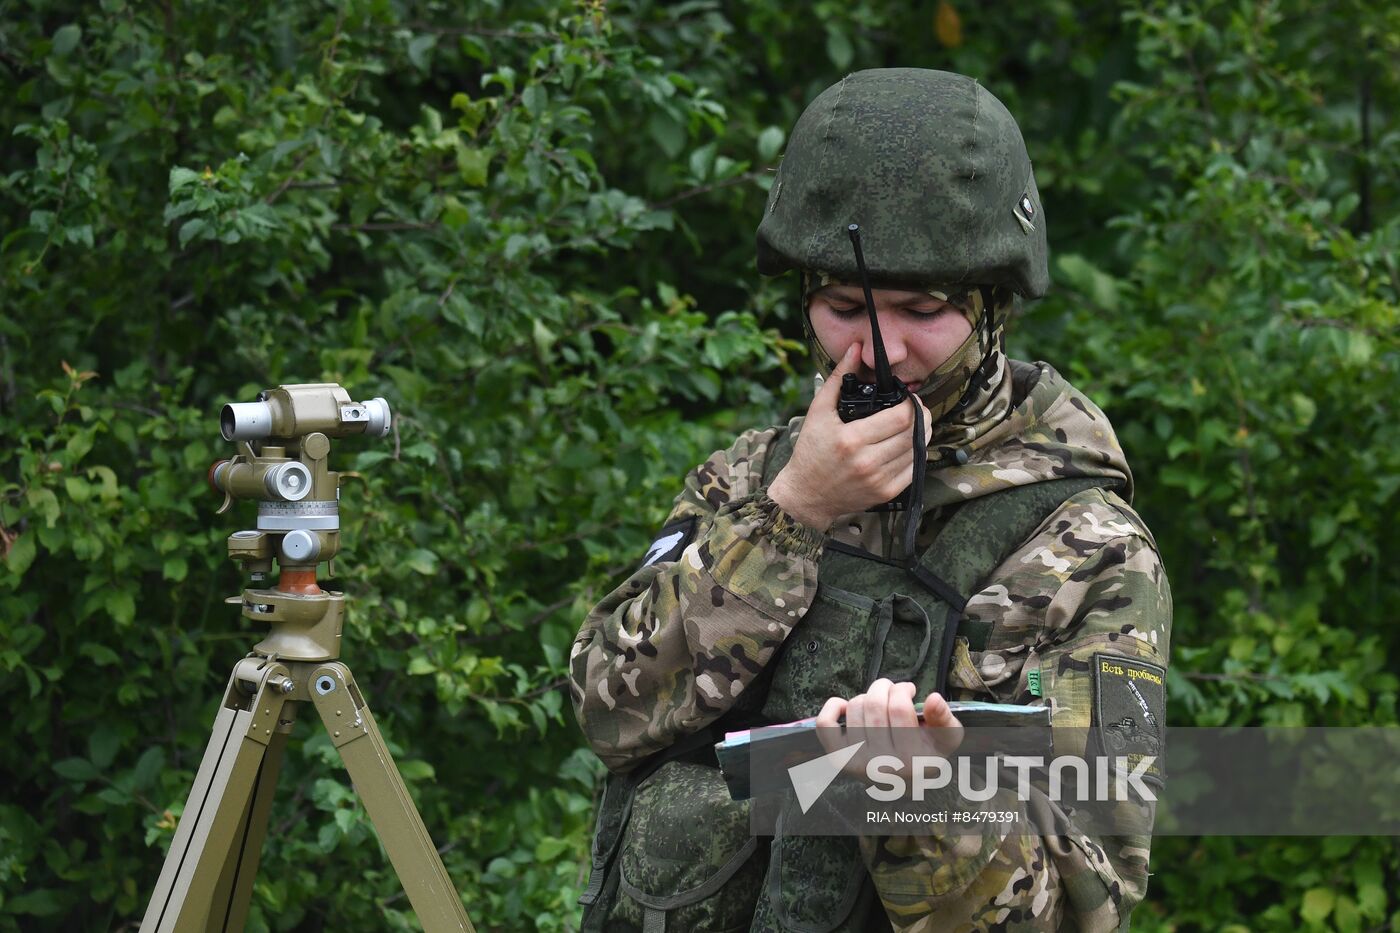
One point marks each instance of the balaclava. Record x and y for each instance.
(970, 391)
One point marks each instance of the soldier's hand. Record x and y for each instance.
(884, 719)
(838, 468)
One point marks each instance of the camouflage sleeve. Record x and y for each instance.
(1091, 583)
(670, 649)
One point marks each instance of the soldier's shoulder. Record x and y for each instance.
(1091, 519)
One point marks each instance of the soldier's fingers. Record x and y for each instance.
(891, 478)
(938, 714)
(828, 732)
(944, 729)
(877, 719)
(831, 712)
(905, 735)
(878, 699)
(855, 712)
(892, 449)
(831, 388)
(898, 468)
(901, 705)
(892, 422)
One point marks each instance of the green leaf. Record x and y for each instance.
(44, 902)
(21, 555)
(668, 133)
(66, 38)
(147, 767)
(1317, 904)
(367, 459)
(839, 49)
(770, 143)
(103, 745)
(419, 47)
(1079, 273)
(535, 99)
(108, 479)
(1370, 891)
(702, 161)
(1304, 409)
(473, 165)
(76, 769)
(100, 655)
(1359, 349)
(191, 229)
(423, 561)
(549, 848)
(80, 235)
(181, 178)
(78, 446)
(45, 504)
(121, 605)
(544, 337)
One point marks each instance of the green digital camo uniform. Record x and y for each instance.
(674, 647)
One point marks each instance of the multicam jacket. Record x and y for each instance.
(670, 650)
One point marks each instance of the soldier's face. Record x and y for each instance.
(920, 331)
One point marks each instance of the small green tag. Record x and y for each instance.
(1033, 681)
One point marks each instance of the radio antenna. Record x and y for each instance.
(884, 377)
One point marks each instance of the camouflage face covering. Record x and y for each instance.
(967, 393)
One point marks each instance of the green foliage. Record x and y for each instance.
(530, 227)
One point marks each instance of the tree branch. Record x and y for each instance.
(381, 227)
(689, 193)
(291, 176)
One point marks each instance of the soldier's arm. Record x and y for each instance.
(1113, 600)
(672, 647)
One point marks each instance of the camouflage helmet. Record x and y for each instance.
(933, 168)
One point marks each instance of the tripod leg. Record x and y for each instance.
(217, 802)
(228, 909)
(376, 778)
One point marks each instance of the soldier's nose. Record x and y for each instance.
(895, 348)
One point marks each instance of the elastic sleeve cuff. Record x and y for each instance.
(787, 534)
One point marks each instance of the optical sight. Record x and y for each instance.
(283, 464)
(297, 410)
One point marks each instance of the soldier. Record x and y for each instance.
(771, 593)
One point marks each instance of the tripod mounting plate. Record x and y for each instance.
(304, 628)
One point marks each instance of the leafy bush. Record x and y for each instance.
(530, 228)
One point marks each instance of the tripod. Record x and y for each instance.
(207, 879)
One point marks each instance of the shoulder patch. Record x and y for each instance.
(671, 540)
(1130, 710)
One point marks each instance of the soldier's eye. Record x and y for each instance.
(847, 310)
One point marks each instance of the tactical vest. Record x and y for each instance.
(672, 851)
